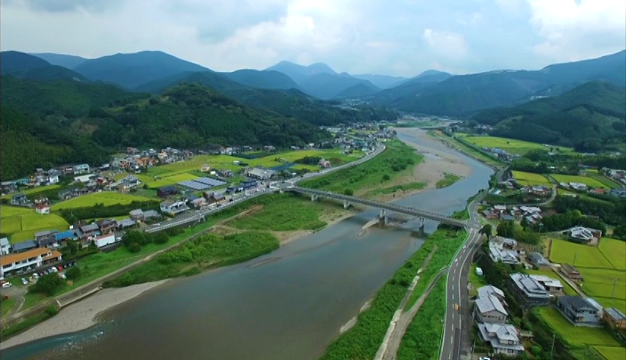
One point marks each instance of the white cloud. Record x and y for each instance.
(578, 29)
(446, 44)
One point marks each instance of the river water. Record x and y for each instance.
(287, 305)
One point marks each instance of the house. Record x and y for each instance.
(615, 318)
(498, 252)
(614, 192)
(19, 199)
(65, 235)
(151, 214)
(80, 169)
(324, 163)
(489, 308)
(492, 291)
(571, 272)
(104, 240)
(125, 224)
(261, 174)
(46, 238)
(42, 209)
(106, 226)
(7, 186)
(583, 235)
(136, 214)
(87, 231)
(214, 198)
(225, 173)
(173, 207)
(23, 246)
(205, 168)
(53, 179)
(167, 191)
(533, 290)
(249, 183)
(538, 260)
(578, 186)
(26, 260)
(83, 178)
(5, 246)
(198, 203)
(504, 339)
(578, 311)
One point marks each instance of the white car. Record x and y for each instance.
(6, 285)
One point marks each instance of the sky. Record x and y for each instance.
(389, 37)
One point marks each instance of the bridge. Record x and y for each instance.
(348, 200)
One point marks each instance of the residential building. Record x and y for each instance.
(167, 191)
(66, 235)
(23, 246)
(173, 207)
(151, 214)
(106, 226)
(531, 290)
(499, 253)
(249, 183)
(615, 318)
(19, 199)
(26, 260)
(538, 260)
(578, 186)
(491, 290)
(46, 238)
(578, 311)
(583, 235)
(214, 198)
(125, 224)
(104, 240)
(488, 307)
(5, 246)
(88, 231)
(261, 174)
(136, 214)
(621, 193)
(42, 209)
(84, 178)
(81, 169)
(8, 186)
(504, 339)
(571, 272)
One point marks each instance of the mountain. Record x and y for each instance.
(291, 103)
(268, 79)
(382, 81)
(15, 62)
(357, 90)
(328, 86)
(27, 66)
(401, 93)
(133, 70)
(300, 72)
(67, 61)
(466, 94)
(589, 116)
(429, 76)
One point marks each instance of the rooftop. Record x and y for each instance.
(614, 313)
(490, 303)
(24, 245)
(576, 302)
(489, 290)
(13, 258)
(4, 242)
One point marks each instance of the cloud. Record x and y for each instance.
(66, 5)
(578, 29)
(446, 44)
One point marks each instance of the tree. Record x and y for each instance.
(348, 192)
(525, 223)
(486, 230)
(386, 177)
(47, 284)
(73, 273)
(160, 238)
(506, 229)
(71, 247)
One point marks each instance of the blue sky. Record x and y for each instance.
(393, 37)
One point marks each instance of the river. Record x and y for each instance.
(287, 305)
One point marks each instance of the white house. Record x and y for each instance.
(504, 339)
(27, 259)
(104, 240)
(5, 246)
(173, 207)
(489, 307)
(42, 209)
(83, 178)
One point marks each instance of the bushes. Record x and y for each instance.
(47, 284)
(73, 273)
(101, 211)
(135, 239)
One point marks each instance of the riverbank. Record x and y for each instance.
(81, 315)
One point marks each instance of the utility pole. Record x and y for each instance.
(552, 349)
(614, 285)
(575, 257)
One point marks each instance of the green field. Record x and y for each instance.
(564, 252)
(481, 156)
(612, 352)
(614, 251)
(530, 179)
(165, 180)
(34, 190)
(106, 198)
(599, 283)
(511, 146)
(24, 223)
(589, 181)
(606, 181)
(8, 211)
(577, 336)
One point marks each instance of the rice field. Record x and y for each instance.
(589, 181)
(599, 283)
(530, 179)
(35, 190)
(8, 211)
(565, 252)
(165, 180)
(576, 335)
(612, 352)
(26, 222)
(511, 146)
(106, 198)
(614, 251)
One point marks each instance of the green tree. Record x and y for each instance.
(47, 284)
(386, 177)
(486, 230)
(506, 228)
(525, 223)
(160, 238)
(73, 273)
(348, 192)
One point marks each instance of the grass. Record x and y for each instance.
(106, 198)
(395, 188)
(477, 154)
(611, 352)
(530, 179)
(8, 211)
(35, 190)
(606, 181)
(26, 222)
(35, 221)
(23, 325)
(398, 159)
(165, 181)
(448, 179)
(511, 146)
(568, 290)
(599, 282)
(577, 336)
(283, 213)
(422, 339)
(589, 181)
(614, 251)
(564, 252)
(475, 280)
(206, 251)
(7, 306)
(362, 340)
(11, 225)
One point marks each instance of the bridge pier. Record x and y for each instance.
(346, 204)
(421, 223)
(383, 218)
(314, 197)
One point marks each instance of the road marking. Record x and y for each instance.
(452, 339)
(452, 287)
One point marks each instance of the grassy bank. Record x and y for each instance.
(422, 339)
(364, 339)
(475, 153)
(204, 252)
(398, 159)
(25, 324)
(448, 179)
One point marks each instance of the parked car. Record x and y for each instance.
(60, 268)
(6, 284)
(62, 276)
(35, 276)
(24, 281)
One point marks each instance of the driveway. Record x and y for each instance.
(17, 293)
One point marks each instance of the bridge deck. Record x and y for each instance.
(375, 204)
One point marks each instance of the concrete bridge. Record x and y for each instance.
(348, 200)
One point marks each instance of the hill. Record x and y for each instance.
(466, 94)
(358, 90)
(262, 79)
(67, 61)
(382, 81)
(17, 63)
(588, 117)
(133, 70)
(300, 72)
(328, 86)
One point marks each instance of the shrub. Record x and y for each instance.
(160, 238)
(348, 192)
(47, 285)
(73, 273)
(52, 310)
(134, 247)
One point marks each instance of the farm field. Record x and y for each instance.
(8, 211)
(577, 336)
(530, 179)
(24, 225)
(34, 190)
(511, 146)
(612, 353)
(165, 180)
(606, 181)
(614, 251)
(35, 221)
(599, 283)
(564, 252)
(106, 197)
(589, 181)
